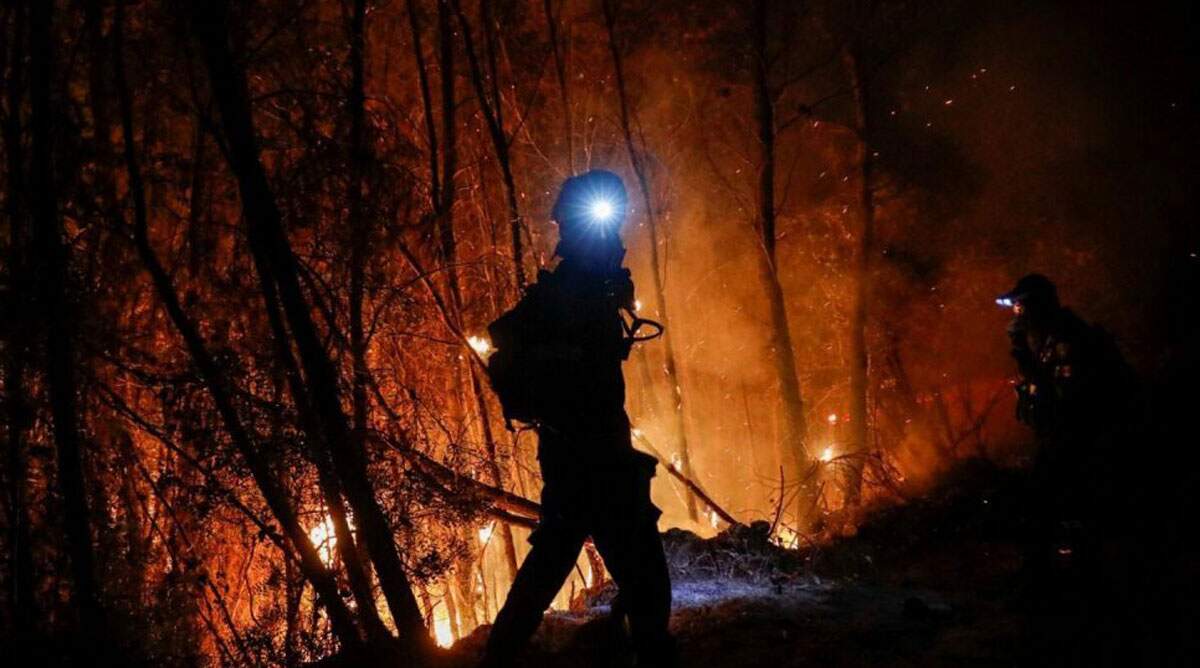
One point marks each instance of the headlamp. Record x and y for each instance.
(601, 210)
(591, 206)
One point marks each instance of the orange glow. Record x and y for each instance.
(443, 634)
(785, 537)
(485, 533)
(481, 345)
(324, 539)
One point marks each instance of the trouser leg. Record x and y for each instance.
(538, 580)
(634, 557)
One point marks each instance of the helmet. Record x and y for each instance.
(594, 201)
(1032, 292)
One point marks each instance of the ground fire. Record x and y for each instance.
(597, 333)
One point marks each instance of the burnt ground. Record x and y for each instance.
(943, 580)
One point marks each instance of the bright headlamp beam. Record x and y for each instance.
(601, 210)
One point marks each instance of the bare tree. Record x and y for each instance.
(276, 265)
(560, 71)
(860, 274)
(794, 429)
(18, 335)
(491, 105)
(323, 582)
(57, 322)
(443, 214)
(637, 161)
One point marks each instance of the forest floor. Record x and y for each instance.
(942, 580)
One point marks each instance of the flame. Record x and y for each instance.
(485, 533)
(785, 537)
(481, 345)
(832, 418)
(442, 633)
(637, 305)
(827, 454)
(324, 539)
(714, 519)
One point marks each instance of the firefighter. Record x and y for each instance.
(1073, 382)
(1075, 390)
(557, 366)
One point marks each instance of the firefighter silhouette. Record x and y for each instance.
(1072, 379)
(557, 366)
(1080, 397)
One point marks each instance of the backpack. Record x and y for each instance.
(518, 375)
(512, 373)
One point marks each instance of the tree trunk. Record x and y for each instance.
(793, 430)
(493, 115)
(57, 320)
(660, 293)
(861, 276)
(560, 70)
(324, 584)
(444, 217)
(18, 343)
(275, 261)
(360, 232)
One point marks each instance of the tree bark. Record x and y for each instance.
(793, 429)
(861, 276)
(274, 260)
(360, 233)
(57, 320)
(18, 343)
(660, 293)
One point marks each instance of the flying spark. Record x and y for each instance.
(481, 345)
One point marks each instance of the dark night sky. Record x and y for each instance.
(1095, 148)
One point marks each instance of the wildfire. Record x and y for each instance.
(785, 537)
(481, 345)
(442, 632)
(827, 454)
(323, 538)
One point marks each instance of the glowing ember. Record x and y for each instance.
(481, 345)
(785, 537)
(442, 633)
(323, 538)
(827, 454)
(485, 533)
